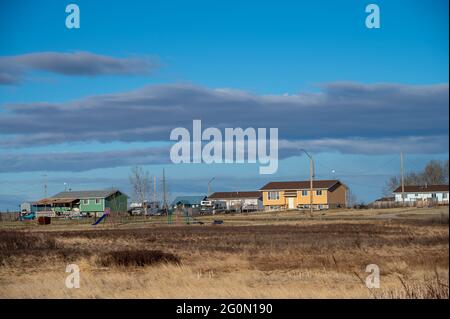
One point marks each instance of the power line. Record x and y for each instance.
(360, 173)
(408, 161)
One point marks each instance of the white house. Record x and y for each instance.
(426, 193)
(239, 201)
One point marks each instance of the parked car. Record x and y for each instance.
(24, 215)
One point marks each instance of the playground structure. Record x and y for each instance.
(185, 215)
(103, 217)
(173, 217)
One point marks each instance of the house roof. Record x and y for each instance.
(87, 194)
(295, 185)
(49, 201)
(385, 199)
(231, 195)
(422, 188)
(188, 200)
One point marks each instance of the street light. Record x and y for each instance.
(311, 179)
(209, 185)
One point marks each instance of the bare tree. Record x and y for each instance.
(392, 183)
(141, 183)
(435, 172)
(446, 172)
(351, 199)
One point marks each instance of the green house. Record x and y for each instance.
(97, 201)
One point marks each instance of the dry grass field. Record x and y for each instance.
(267, 255)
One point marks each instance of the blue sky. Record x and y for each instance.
(191, 49)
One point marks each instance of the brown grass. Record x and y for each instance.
(304, 259)
(137, 258)
(429, 288)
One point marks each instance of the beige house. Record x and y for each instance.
(296, 195)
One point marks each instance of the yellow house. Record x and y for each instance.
(296, 195)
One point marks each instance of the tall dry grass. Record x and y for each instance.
(312, 259)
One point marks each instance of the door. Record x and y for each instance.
(291, 202)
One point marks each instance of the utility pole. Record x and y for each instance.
(154, 190)
(144, 200)
(165, 206)
(311, 182)
(209, 186)
(164, 191)
(402, 178)
(45, 186)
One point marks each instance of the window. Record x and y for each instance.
(318, 192)
(85, 201)
(444, 195)
(433, 195)
(304, 193)
(274, 195)
(417, 195)
(98, 201)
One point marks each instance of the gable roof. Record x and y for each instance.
(87, 194)
(230, 195)
(188, 200)
(422, 188)
(385, 199)
(59, 200)
(295, 185)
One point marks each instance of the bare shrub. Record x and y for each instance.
(15, 240)
(429, 288)
(34, 245)
(15, 243)
(137, 258)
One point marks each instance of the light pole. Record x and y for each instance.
(45, 186)
(311, 180)
(402, 178)
(209, 186)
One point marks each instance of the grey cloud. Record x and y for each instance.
(14, 68)
(375, 146)
(84, 161)
(338, 111)
(81, 161)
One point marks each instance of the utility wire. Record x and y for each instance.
(360, 173)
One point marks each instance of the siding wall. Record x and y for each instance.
(117, 203)
(91, 206)
(331, 198)
(299, 199)
(244, 201)
(441, 197)
(338, 197)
